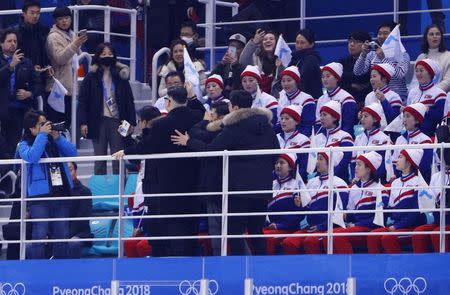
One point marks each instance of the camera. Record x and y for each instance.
(373, 46)
(61, 126)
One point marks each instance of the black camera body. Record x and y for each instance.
(373, 46)
(61, 126)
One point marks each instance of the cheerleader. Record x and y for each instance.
(318, 188)
(331, 135)
(283, 200)
(413, 120)
(331, 74)
(292, 95)
(403, 195)
(250, 79)
(371, 117)
(390, 101)
(214, 91)
(429, 94)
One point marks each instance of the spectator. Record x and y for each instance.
(307, 60)
(105, 101)
(369, 57)
(189, 34)
(214, 91)
(429, 94)
(62, 47)
(176, 64)
(413, 118)
(230, 68)
(33, 35)
(283, 200)
(357, 86)
(245, 128)
(331, 74)
(366, 168)
(251, 79)
(79, 229)
(330, 135)
(317, 223)
(291, 138)
(390, 101)
(259, 52)
(291, 95)
(371, 117)
(92, 20)
(434, 47)
(400, 198)
(19, 85)
(171, 176)
(48, 180)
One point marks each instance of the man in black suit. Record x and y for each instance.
(171, 176)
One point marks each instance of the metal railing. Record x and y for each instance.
(225, 194)
(107, 37)
(211, 23)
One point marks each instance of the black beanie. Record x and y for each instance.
(360, 36)
(308, 34)
(61, 12)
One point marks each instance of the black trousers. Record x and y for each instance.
(12, 128)
(237, 225)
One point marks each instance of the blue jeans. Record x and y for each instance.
(53, 229)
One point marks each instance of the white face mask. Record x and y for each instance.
(188, 40)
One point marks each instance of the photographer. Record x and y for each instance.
(372, 53)
(46, 180)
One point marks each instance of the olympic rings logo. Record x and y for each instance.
(10, 289)
(405, 286)
(193, 287)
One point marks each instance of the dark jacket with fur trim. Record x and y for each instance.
(90, 106)
(245, 129)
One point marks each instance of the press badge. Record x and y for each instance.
(112, 106)
(55, 175)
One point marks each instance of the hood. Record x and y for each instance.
(123, 70)
(300, 54)
(214, 126)
(253, 120)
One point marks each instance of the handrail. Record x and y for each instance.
(155, 60)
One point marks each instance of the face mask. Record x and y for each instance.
(188, 40)
(107, 61)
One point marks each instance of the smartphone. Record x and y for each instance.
(82, 33)
(232, 51)
(123, 128)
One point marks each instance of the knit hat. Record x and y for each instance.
(413, 156)
(290, 158)
(335, 68)
(61, 12)
(252, 71)
(361, 36)
(386, 70)
(215, 78)
(337, 157)
(293, 72)
(372, 160)
(239, 38)
(418, 110)
(430, 65)
(375, 110)
(308, 34)
(294, 111)
(333, 108)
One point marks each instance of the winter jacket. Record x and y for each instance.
(308, 63)
(32, 39)
(90, 107)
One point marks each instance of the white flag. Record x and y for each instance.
(56, 97)
(283, 51)
(191, 74)
(304, 196)
(312, 156)
(425, 196)
(338, 215)
(396, 125)
(392, 46)
(388, 165)
(379, 215)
